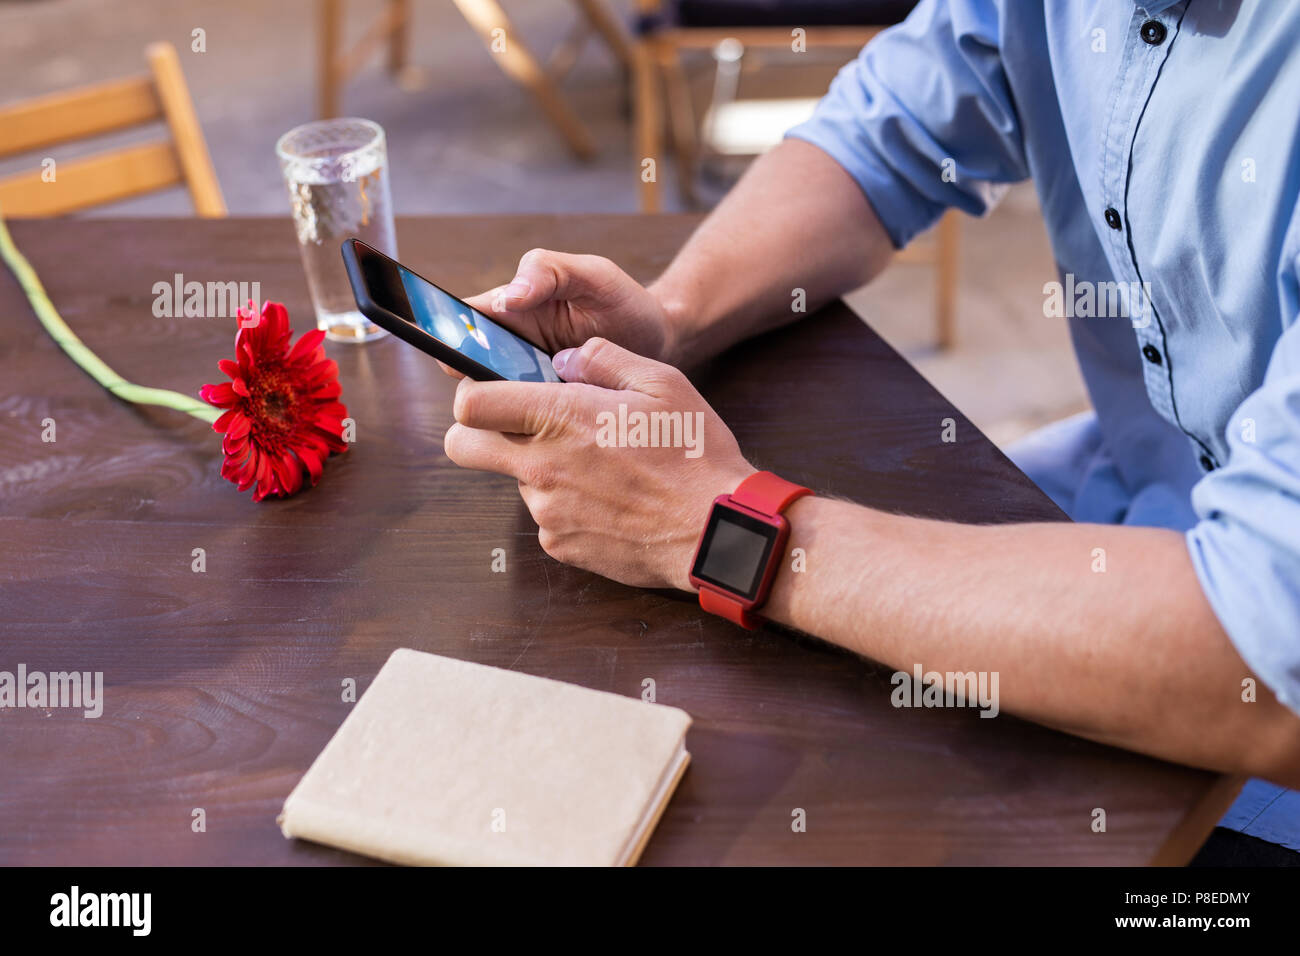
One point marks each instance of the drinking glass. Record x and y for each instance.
(337, 174)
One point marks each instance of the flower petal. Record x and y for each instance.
(327, 391)
(220, 395)
(313, 462)
(307, 344)
(265, 477)
(326, 370)
(235, 447)
(288, 472)
(223, 420)
(239, 426)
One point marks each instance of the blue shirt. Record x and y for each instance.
(1164, 142)
(1180, 124)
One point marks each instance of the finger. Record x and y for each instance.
(544, 275)
(482, 450)
(449, 370)
(602, 363)
(521, 408)
(492, 303)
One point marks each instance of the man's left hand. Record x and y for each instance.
(602, 499)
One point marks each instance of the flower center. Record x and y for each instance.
(273, 405)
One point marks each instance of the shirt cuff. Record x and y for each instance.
(901, 209)
(1250, 598)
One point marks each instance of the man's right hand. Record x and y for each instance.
(559, 300)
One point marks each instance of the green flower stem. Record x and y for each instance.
(88, 361)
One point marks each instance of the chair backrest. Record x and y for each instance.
(89, 111)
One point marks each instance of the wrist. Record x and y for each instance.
(741, 547)
(782, 602)
(699, 504)
(679, 313)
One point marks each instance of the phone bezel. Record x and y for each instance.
(774, 528)
(407, 330)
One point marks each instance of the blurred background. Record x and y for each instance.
(533, 106)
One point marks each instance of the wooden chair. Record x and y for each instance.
(494, 28)
(336, 65)
(74, 184)
(661, 87)
(542, 80)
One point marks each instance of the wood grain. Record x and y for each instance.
(92, 181)
(221, 687)
(77, 114)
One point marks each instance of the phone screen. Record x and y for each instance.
(473, 334)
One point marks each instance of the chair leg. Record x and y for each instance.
(647, 126)
(398, 41)
(945, 279)
(515, 60)
(609, 25)
(681, 117)
(329, 25)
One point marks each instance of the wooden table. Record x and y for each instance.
(222, 686)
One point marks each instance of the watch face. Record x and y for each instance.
(734, 551)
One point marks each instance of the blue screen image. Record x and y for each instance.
(473, 334)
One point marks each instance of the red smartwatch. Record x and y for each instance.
(741, 547)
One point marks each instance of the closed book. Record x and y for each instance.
(447, 762)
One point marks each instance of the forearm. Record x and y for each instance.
(1132, 656)
(798, 213)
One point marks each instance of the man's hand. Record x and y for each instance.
(733, 279)
(559, 301)
(629, 513)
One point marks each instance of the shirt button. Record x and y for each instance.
(1153, 32)
(1152, 354)
(1206, 463)
(1112, 218)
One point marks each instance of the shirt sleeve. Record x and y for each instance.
(924, 119)
(1246, 544)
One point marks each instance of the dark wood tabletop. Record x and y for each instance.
(222, 686)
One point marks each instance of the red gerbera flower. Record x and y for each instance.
(283, 415)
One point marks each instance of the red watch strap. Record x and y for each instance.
(724, 605)
(768, 494)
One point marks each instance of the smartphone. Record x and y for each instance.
(433, 320)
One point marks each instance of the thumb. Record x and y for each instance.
(601, 363)
(544, 275)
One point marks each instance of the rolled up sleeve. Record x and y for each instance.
(924, 119)
(1246, 544)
